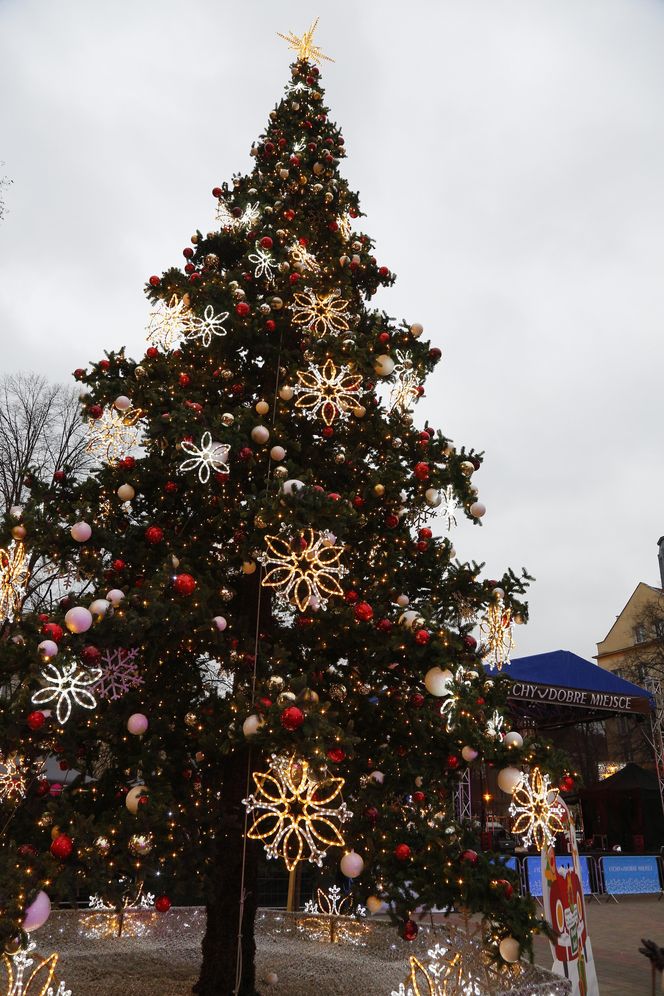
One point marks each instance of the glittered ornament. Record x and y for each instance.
(184, 584)
(292, 718)
(62, 847)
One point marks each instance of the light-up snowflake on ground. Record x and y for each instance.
(328, 392)
(334, 918)
(22, 979)
(119, 673)
(303, 569)
(166, 324)
(264, 264)
(496, 634)
(115, 434)
(209, 456)
(12, 778)
(134, 918)
(293, 811)
(534, 806)
(14, 576)
(320, 313)
(65, 686)
(206, 326)
(460, 967)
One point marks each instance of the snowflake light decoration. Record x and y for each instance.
(534, 806)
(304, 568)
(450, 505)
(166, 323)
(320, 313)
(115, 434)
(209, 456)
(495, 724)
(39, 979)
(205, 327)
(296, 819)
(297, 87)
(304, 45)
(67, 685)
(119, 674)
(329, 392)
(404, 390)
(301, 257)
(345, 226)
(496, 633)
(12, 778)
(14, 576)
(264, 264)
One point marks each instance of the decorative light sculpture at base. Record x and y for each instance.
(332, 918)
(134, 919)
(294, 815)
(22, 979)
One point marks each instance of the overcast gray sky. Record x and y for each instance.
(509, 158)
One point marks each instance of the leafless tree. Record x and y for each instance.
(4, 183)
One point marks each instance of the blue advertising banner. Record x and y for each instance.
(563, 862)
(511, 864)
(627, 874)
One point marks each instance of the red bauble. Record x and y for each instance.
(127, 463)
(154, 281)
(336, 755)
(417, 700)
(418, 797)
(470, 641)
(242, 309)
(435, 353)
(289, 214)
(422, 545)
(507, 887)
(184, 380)
(118, 564)
(371, 814)
(27, 851)
(384, 625)
(35, 720)
(402, 852)
(59, 476)
(90, 655)
(217, 191)
(410, 929)
(363, 611)
(422, 471)
(184, 584)
(270, 325)
(104, 365)
(42, 787)
(327, 432)
(392, 521)
(266, 242)
(171, 488)
(470, 857)
(425, 533)
(383, 271)
(452, 762)
(79, 373)
(154, 534)
(566, 783)
(351, 597)
(292, 718)
(422, 636)
(294, 278)
(53, 631)
(95, 411)
(162, 904)
(62, 846)
(189, 268)
(187, 252)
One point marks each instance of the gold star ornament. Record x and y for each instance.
(304, 47)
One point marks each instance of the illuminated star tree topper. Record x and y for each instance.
(304, 45)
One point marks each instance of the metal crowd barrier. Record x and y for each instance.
(605, 875)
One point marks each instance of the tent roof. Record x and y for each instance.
(631, 777)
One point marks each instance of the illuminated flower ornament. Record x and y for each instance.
(207, 457)
(115, 434)
(65, 686)
(296, 815)
(166, 323)
(334, 918)
(264, 264)
(300, 256)
(304, 568)
(404, 391)
(24, 980)
(12, 778)
(496, 633)
(328, 392)
(14, 576)
(320, 313)
(534, 806)
(205, 327)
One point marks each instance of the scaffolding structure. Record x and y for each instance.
(462, 798)
(656, 738)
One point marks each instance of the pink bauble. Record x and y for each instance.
(137, 724)
(122, 403)
(115, 596)
(260, 434)
(47, 649)
(277, 453)
(78, 619)
(81, 532)
(468, 754)
(351, 865)
(220, 623)
(37, 912)
(477, 509)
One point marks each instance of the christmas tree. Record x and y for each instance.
(260, 644)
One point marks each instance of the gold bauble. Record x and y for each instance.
(103, 845)
(285, 698)
(275, 684)
(338, 692)
(227, 418)
(309, 695)
(190, 719)
(259, 522)
(139, 373)
(141, 844)
(379, 490)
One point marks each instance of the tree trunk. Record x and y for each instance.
(224, 894)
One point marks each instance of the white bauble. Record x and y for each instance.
(509, 778)
(219, 452)
(260, 434)
(47, 649)
(378, 777)
(78, 619)
(290, 487)
(220, 623)
(99, 607)
(374, 904)
(16, 511)
(126, 492)
(498, 592)
(271, 979)
(403, 601)
(509, 949)
(477, 509)
(383, 365)
(115, 596)
(286, 392)
(277, 453)
(513, 739)
(81, 532)
(433, 497)
(251, 725)
(468, 754)
(416, 330)
(351, 865)
(437, 681)
(132, 797)
(410, 618)
(122, 403)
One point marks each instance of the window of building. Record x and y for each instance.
(659, 629)
(640, 634)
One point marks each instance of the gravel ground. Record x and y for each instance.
(163, 960)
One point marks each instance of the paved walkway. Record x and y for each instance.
(616, 932)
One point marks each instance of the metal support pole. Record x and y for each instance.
(656, 740)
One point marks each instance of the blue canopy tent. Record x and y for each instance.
(560, 689)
